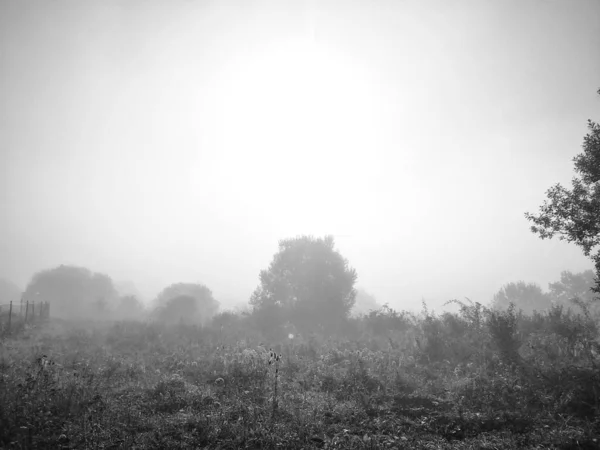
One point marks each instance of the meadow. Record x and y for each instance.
(474, 379)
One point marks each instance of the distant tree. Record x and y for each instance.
(73, 292)
(9, 292)
(525, 296)
(574, 215)
(573, 285)
(205, 306)
(575, 288)
(179, 309)
(128, 289)
(129, 307)
(365, 303)
(308, 283)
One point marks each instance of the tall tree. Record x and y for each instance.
(574, 214)
(73, 292)
(202, 309)
(308, 283)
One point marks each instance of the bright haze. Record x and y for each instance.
(174, 141)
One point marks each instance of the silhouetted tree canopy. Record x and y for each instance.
(204, 305)
(73, 292)
(574, 215)
(308, 283)
(525, 296)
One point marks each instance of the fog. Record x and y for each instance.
(179, 141)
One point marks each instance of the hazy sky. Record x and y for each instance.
(165, 141)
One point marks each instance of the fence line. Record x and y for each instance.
(26, 311)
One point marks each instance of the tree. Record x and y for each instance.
(74, 292)
(365, 303)
(308, 283)
(205, 306)
(179, 309)
(574, 215)
(129, 307)
(573, 286)
(525, 296)
(128, 289)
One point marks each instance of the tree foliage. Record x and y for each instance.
(574, 214)
(308, 283)
(73, 292)
(179, 309)
(525, 296)
(192, 299)
(573, 285)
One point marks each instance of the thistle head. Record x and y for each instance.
(273, 357)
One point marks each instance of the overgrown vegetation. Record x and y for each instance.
(477, 378)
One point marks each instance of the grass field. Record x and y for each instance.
(138, 385)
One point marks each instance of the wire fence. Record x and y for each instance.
(15, 315)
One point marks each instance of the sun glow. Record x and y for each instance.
(294, 91)
(303, 117)
(295, 88)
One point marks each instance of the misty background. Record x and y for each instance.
(180, 141)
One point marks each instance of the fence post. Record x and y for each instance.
(26, 310)
(9, 315)
(21, 308)
(32, 312)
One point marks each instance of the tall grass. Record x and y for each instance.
(472, 379)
